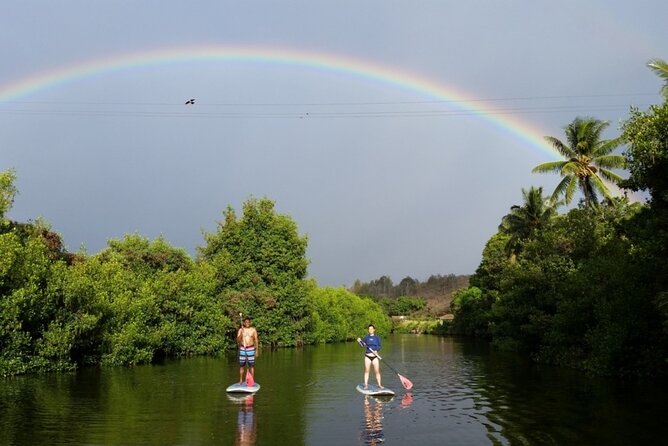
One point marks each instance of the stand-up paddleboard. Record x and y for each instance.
(374, 390)
(243, 388)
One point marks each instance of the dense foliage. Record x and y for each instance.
(139, 299)
(588, 288)
(338, 314)
(647, 135)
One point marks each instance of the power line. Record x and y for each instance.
(314, 114)
(331, 104)
(524, 105)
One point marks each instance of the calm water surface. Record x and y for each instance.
(463, 395)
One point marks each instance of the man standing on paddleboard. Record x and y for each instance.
(372, 344)
(248, 349)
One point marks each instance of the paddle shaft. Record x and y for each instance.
(378, 356)
(404, 381)
(241, 326)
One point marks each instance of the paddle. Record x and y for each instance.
(250, 382)
(404, 381)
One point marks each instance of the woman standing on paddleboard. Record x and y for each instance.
(372, 344)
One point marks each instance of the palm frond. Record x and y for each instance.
(610, 176)
(570, 189)
(660, 68)
(584, 134)
(597, 184)
(570, 168)
(561, 189)
(610, 161)
(550, 166)
(606, 146)
(562, 148)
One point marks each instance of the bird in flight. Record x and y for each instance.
(190, 102)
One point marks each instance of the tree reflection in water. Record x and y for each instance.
(246, 423)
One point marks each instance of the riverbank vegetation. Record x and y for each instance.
(587, 288)
(139, 299)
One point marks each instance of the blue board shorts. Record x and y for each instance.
(247, 356)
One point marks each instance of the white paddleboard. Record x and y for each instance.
(243, 388)
(373, 389)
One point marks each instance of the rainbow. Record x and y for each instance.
(373, 72)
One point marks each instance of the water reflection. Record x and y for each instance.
(407, 400)
(246, 421)
(372, 433)
(464, 395)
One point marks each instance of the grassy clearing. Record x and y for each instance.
(426, 326)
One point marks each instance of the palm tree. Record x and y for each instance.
(660, 68)
(587, 161)
(523, 222)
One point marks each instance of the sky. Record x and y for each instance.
(395, 134)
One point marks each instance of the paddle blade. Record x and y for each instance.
(408, 385)
(250, 382)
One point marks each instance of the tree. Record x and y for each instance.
(647, 135)
(471, 309)
(647, 154)
(493, 263)
(261, 265)
(7, 191)
(587, 163)
(383, 286)
(142, 255)
(407, 286)
(524, 221)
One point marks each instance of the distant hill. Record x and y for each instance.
(437, 290)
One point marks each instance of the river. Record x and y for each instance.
(463, 394)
